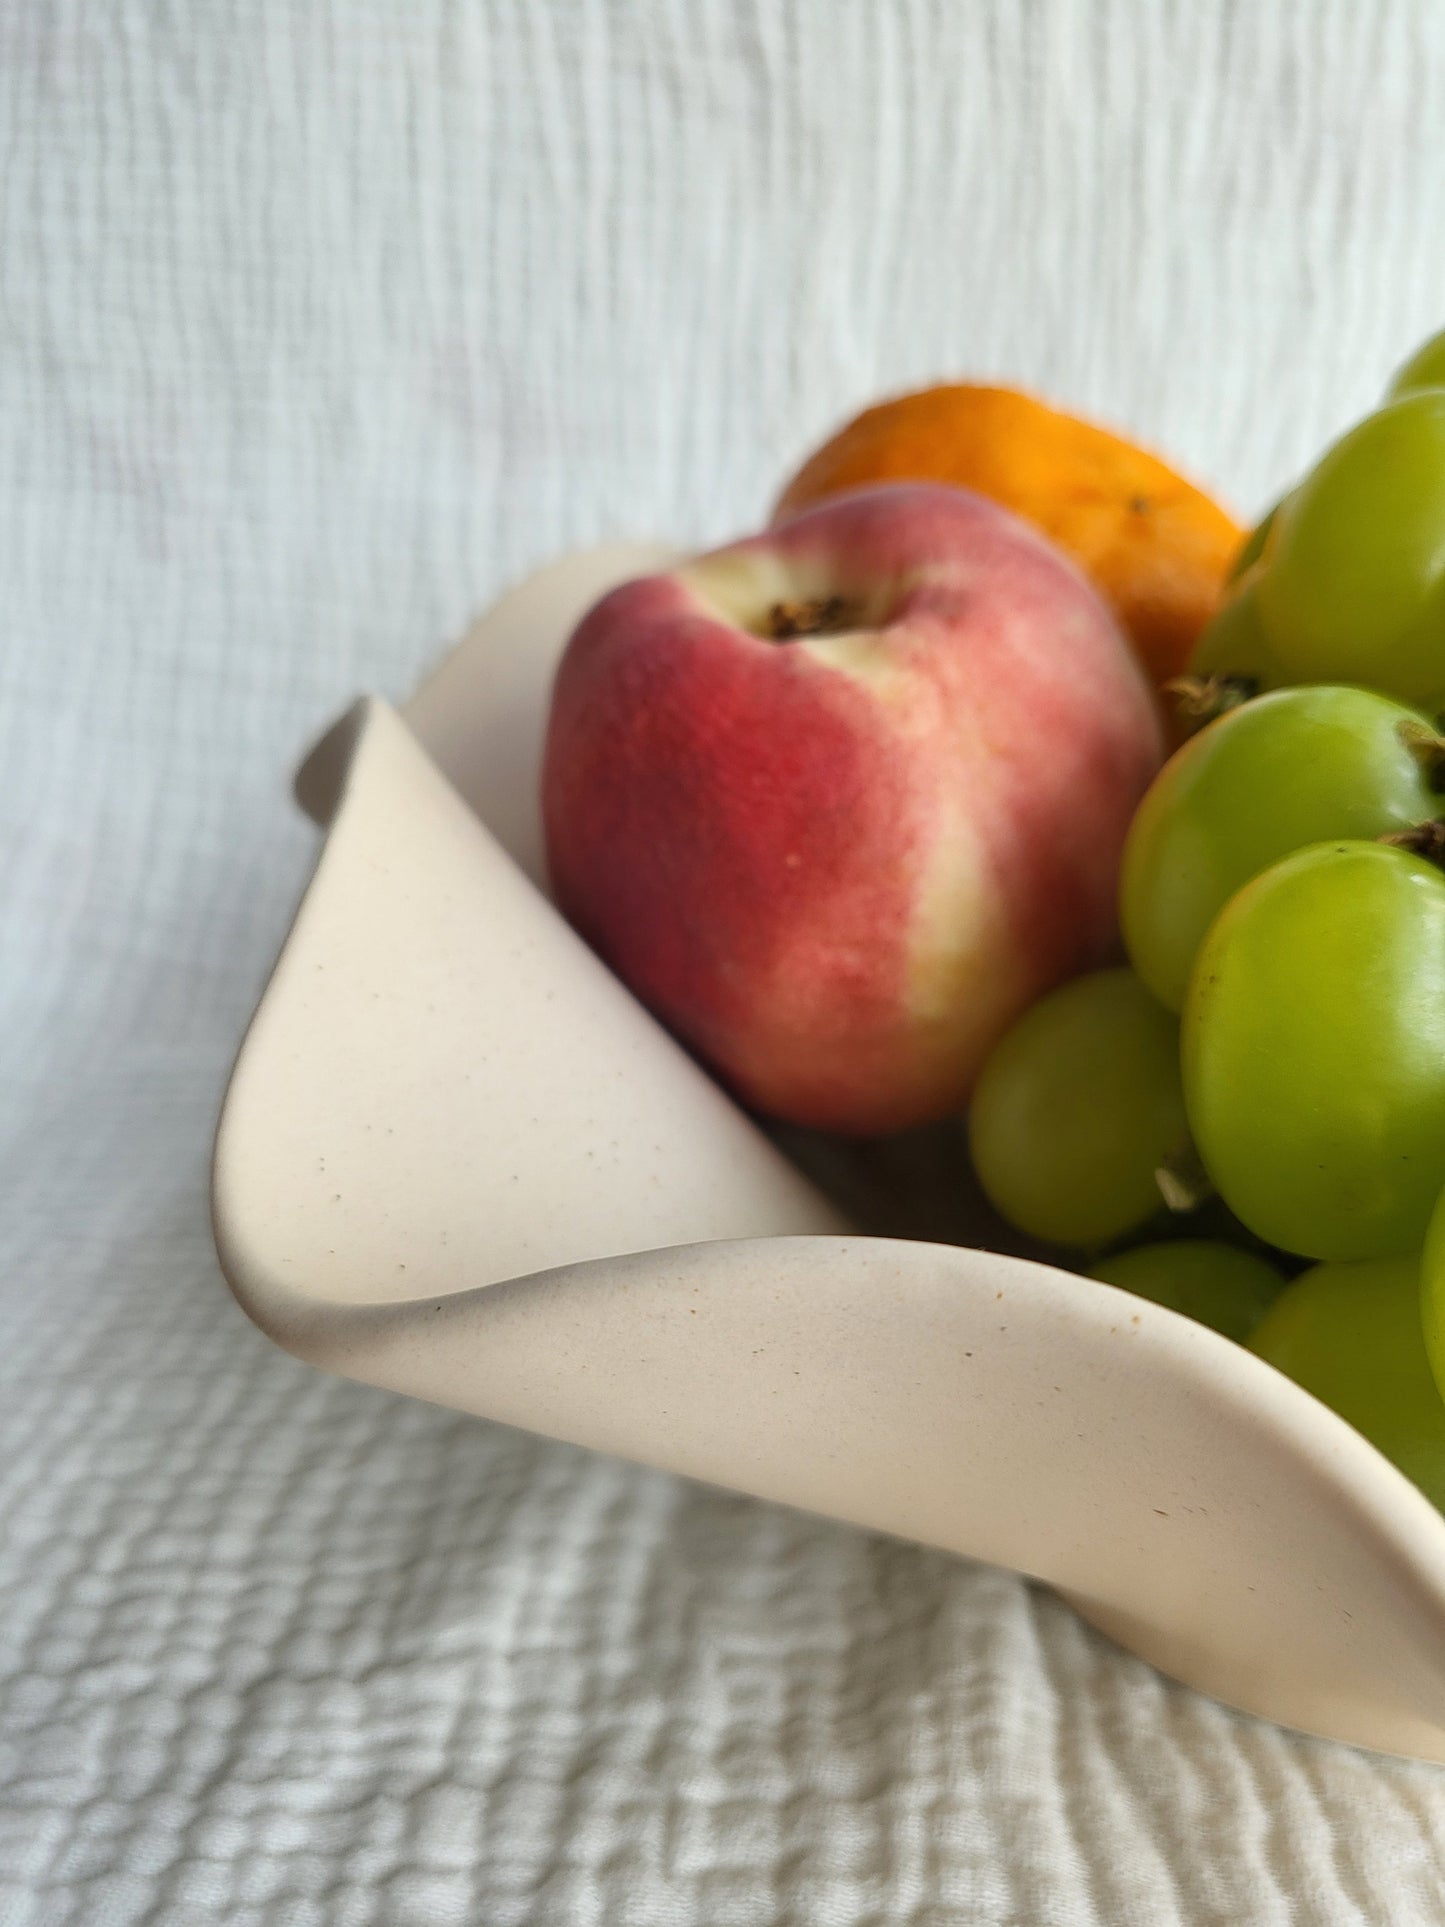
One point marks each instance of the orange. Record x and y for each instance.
(1157, 548)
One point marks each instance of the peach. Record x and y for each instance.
(839, 800)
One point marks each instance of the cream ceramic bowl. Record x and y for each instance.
(458, 1160)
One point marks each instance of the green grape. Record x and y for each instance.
(1313, 1047)
(1234, 644)
(1077, 1108)
(1353, 589)
(1351, 1334)
(1216, 1284)
(1291, 768)
(1424, 369)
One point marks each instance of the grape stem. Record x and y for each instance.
(1202, 699)
(1183, 1182)
(1423, 839)
(1427, 746)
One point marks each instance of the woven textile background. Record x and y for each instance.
(320, 320)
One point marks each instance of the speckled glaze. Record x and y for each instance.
(458, 1160)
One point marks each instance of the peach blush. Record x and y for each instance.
(837, 801)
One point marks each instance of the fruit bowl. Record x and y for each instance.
(456, 1159)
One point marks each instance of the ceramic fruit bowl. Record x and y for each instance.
(458, 1160)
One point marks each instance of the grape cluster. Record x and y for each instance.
(1279, 1039)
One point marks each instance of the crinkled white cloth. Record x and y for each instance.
(319, 321)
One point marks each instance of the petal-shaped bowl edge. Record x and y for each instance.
(456, 1159)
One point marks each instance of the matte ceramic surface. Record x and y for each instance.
(458, 1160)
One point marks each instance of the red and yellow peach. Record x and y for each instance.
(838, 801)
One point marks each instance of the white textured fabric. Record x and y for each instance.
(319, 321)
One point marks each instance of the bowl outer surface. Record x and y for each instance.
(458, 1160)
